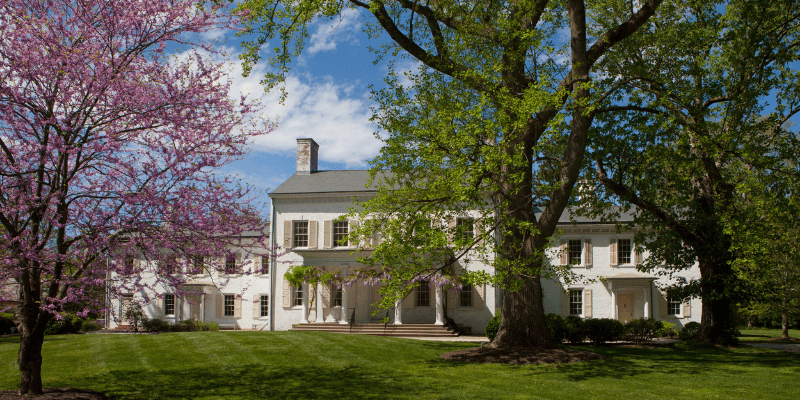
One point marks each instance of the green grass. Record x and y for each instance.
(257, 365)
(766, 335)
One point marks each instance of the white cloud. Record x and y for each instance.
(341, 28)
(335, 114)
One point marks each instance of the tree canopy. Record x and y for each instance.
(503, 89)
(107, 149)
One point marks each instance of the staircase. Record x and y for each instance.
(404, 330)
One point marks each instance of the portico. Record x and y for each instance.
(631, 295)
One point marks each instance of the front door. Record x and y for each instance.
(196, 307)
(625, 307)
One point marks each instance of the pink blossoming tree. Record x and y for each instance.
(107, 148)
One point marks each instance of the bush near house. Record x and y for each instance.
(556, 326)
(195, 326)
(603, 330)
(643, 330)
(156, 325)
(690, 332)
(576, 329)
(493, 326)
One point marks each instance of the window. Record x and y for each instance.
(337, 297)
(340, 232)
(197, 264)
(465, 300)
(128, 265)
(624, 248)
(300, 230)
(575, 302)
(264, 265)
(229, 305)
(574, 250)
(465, 228)
(424, 294)
(230, 264)
(169, 304)
(297, 296)
(674, 306)
(264, 305)
(421, 229)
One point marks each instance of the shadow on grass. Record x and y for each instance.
(631, 362)
(246, 381)
(623, 363)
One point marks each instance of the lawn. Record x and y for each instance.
(765, 335)
(257, 365)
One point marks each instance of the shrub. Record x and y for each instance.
(667, 330)
(157, 325)
(603, 330)
(643, 330)
(556, 327)
(690, 332)
(576, 330)
(195, 326)
(207, 326)
(63, 326)
(493, 326)
(6, 323)
(88, 326)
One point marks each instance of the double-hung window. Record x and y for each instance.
(465, 299)
(674, 306)
(624, 250)
(300, 236)
(230, 264)
(423, 294)
(340, 233)
(169, 304)
(465, 228)
(574, 251)
(229, 305)
(297, 296)
(337, 296)
(264, 305)
(575, 301)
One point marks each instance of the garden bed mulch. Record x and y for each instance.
(56, 394)
(521, 355)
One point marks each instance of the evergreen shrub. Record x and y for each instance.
(603, 330)
(576, 329)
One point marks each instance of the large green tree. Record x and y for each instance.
(498, 82)
(692, 118)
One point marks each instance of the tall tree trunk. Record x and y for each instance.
(522, 320)
(716, 323)
(785, 318)
(29, 358)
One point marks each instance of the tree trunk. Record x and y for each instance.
(29, 358)
(717, 325)
(785, 318)
(522, 320)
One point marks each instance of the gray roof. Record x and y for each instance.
(326, 182)
(355, 181)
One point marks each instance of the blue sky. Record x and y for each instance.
(328, 100)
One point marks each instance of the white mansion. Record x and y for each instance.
(305, 210)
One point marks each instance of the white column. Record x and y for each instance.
(613, 303)
(304, 317)
(646, 295)
(398, 312)
(203, 304)
(344, 318)
(319, 316)
(439, 306)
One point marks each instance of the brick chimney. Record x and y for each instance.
(307, 155)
